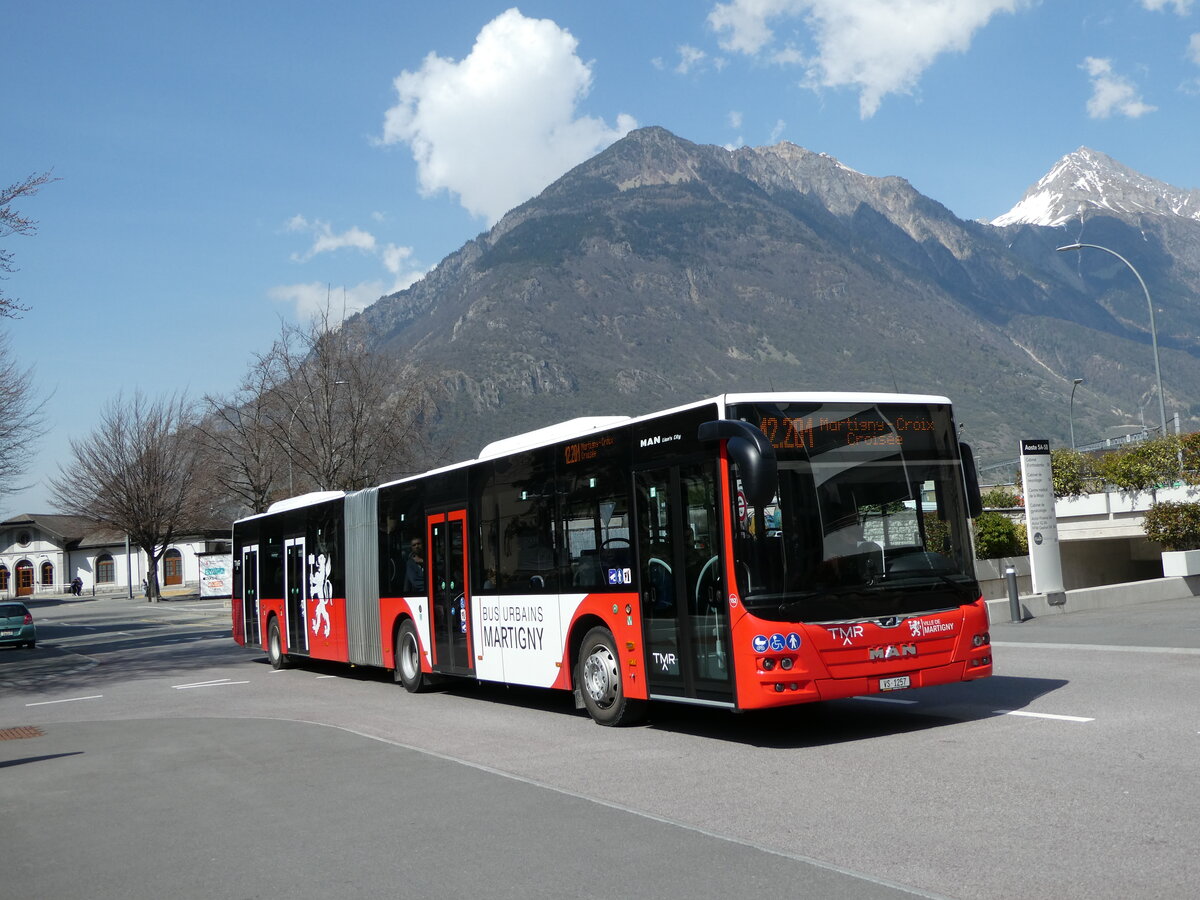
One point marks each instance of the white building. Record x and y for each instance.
(42, 554)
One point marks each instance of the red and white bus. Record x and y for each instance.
(748, 551)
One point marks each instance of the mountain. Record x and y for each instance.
(662, 271)
(1086, 182)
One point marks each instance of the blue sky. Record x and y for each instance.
(223, 165)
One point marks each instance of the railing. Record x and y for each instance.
(1136, 437)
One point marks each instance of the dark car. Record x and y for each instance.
(16, 624)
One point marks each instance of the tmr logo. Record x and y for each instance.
(846, 633)
(892, 651)
(668, 662)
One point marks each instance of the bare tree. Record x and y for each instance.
(350, 418)
(240, 456)
(136, 473)
(12, 222)
(22, 421)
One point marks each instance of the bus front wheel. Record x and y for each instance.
(598, 677)
(408, 659)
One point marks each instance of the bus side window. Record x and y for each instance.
(519, 505)
(594, 525)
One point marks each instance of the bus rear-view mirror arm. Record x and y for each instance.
(752, 453)
(970, 480)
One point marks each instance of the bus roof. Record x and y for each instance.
(830, 397)
(299, 502)
(551, 434)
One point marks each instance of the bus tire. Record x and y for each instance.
(275, 652)
(598, 676)
(408, 659)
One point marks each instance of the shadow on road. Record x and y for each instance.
(806, 725)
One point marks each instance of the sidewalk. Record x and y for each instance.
(171, 595)
(1108, 596)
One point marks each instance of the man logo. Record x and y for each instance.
(892, 651)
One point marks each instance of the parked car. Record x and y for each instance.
(16, 624)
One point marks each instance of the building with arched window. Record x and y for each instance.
(42, 554)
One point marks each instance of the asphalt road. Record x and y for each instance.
(170, 762)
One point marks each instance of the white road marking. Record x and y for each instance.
(1106, 648)
(200, 684)
(67, 700)
(1035, 715)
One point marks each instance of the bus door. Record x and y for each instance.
(684, 614)
(250, 596)
(448, 592)
(295, 589)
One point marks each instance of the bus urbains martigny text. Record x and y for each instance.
(748, 551)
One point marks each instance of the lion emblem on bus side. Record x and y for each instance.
(320, 589)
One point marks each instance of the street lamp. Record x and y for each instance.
(291, 422)
(1074, 384)
(1162, 410)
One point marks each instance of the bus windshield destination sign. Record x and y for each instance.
(826, 432)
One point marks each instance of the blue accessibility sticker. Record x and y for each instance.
(793, 641)
(760, 643)
(777, 641)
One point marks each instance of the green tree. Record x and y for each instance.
(998, 536)
(1000, 498)
(1174, 525)
(1142, 467)
(1073, 473)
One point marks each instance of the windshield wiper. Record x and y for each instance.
(808, 596)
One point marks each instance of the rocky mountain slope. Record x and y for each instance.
(663, 271)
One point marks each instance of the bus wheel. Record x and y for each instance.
(408, 659)
(598, 675)
(275, 652)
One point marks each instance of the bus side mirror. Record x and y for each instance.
(970, 480)
(753, 454)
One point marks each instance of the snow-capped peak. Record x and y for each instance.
(1089, 181)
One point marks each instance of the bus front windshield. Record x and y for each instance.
(869, 519)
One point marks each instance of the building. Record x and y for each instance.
(42, 554)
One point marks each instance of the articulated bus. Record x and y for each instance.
(744, 552)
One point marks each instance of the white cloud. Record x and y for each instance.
(735, 119)
(1112, 94)
(1182, 7)
(689, 58)
(878, 47)
(326, 241)
(314, 298)
(501, 124)
(1193, 52)
(777, 131)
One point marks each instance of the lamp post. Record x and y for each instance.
(1074, 384)
(1162, 409)
(291, 422)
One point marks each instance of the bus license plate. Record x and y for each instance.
(899, 683)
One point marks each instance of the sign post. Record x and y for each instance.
(1041, 524)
